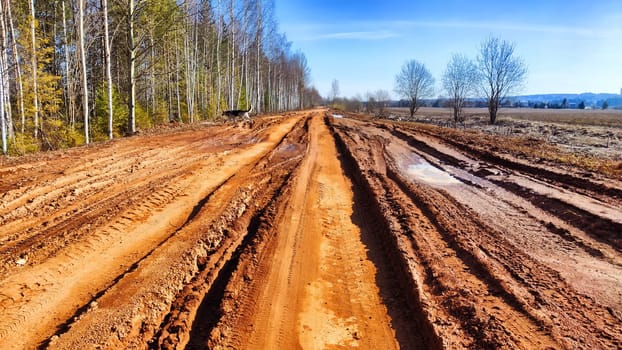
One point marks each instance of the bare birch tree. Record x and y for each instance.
(18, 68)
(85, 86)
(108, 69)
(3, 80)
(413, 83)
(459, 81)
(382, 100)
(131, 104)
(218, 65)
(5, 101)
(33, 62)
(69, 102)
(502, 72)
(258, 44)
(334, 90)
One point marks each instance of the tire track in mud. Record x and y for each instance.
(302, 285)
(60, 209)
(518, 278)
(558, 313)
(576, 180)
(599, 221)
(196, 308)
(118, 161)
(132, 249)
(172, 241)
(204, 243)
(447, 287)
(479, 177)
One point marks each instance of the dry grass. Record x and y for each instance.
(595, 117)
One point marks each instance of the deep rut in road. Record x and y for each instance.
(315, 282)
(494, 264)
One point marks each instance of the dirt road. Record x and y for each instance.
(316, 286)
(306, 231)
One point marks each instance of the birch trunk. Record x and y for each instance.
(33, 62)
(132, 72)
(244, 65)
(8, 115)
(232, 87)
(18, 69)
(190, 49)
(218, 39)
(70, 105)
(108, 74)
(169, 92)
(3, 123)
(85, 91)
(258, 58)
(154, 106)
(3, 79)
(177, 80)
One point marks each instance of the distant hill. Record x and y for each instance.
(590, 99)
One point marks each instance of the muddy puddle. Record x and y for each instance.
(418, 169)
(426, 172)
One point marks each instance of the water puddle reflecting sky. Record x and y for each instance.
(425, 172)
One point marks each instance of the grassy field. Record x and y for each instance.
(594, 117)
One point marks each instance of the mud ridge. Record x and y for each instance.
(431, 337)
(602, 229)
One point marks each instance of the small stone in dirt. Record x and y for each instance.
(22, 260)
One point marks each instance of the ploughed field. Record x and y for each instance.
(310, 231)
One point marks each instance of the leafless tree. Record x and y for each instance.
(108, 64)
(85, 88)
(33, 62)
(370, 106)
(334, 90)
(18, 68)
(4, 79)
(502, 72)
(459, 81)
(382, 101)
(70, 104)
(414, 82)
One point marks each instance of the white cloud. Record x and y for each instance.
(585, 31)
(360, 35)
(379, 30)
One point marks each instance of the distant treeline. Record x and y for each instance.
(358, 105)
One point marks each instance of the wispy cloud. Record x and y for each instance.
(386, 29)
(358, 35)
(585, 31)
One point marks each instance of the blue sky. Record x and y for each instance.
(568, 46)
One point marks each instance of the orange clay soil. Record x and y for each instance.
(306, 231)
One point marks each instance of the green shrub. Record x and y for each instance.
(99, 128)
